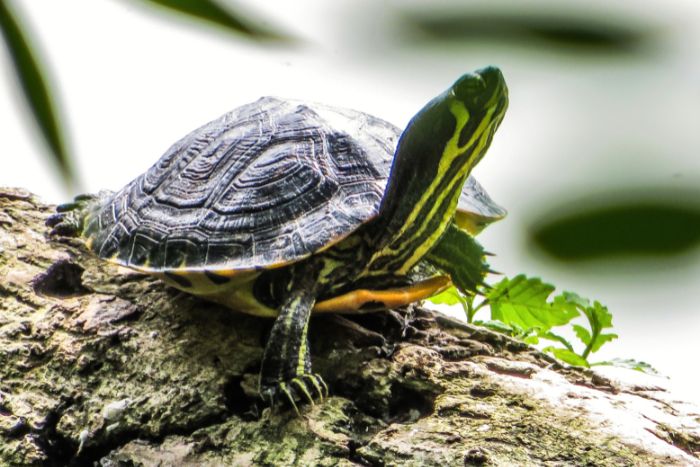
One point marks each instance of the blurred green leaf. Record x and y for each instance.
(630, 364)
(524, 301)
(523, 26)
(568, 356)
(212, 12)
(31, 77)
(622, 224)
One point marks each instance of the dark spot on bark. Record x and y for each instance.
(58, 448)
(476, 456)
(388, 323)
(408, 405)
(62, 279)
(482, 392)
(238, 402)
(18, 429)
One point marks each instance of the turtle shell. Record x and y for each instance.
(476, 201)
(266, 184)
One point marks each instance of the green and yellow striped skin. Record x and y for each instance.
(385, 263)
(427, 177)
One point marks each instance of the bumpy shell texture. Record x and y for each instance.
(266, 184)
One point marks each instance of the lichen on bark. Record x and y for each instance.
(102, 364)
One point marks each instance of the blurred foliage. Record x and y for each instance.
(622, 225)
(213, 13)
(32, 79)
(564, 31)
(630, 364)
(37, 85)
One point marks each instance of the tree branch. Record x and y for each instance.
(99, 363)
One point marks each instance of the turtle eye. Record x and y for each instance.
(481, 89)
(469, 87)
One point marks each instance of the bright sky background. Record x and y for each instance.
(131, 81)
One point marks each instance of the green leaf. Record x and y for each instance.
(599, 318)
(567, 356)
(549, 335)
(531, 340)
(448, 296)
(602, 339)
(212, 12)
(601, 315)
(36, 92)
(524, 301)
(582, 333)
(630, 364)
(575, 299)
(499, 326)
(528, 336)
(459, 255)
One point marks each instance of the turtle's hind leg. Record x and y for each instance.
(286, 366)
(69, 218)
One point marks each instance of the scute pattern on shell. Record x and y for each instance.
(268, 183)
(476, 200)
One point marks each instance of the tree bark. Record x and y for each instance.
(99, 364)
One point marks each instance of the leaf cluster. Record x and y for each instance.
(527, 309)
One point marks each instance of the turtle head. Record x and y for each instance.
(478, 101)
(434, 156)
(458, 125)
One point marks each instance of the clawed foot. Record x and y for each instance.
(68, 219)
(302, 388)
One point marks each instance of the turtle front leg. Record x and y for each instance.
(286, 366)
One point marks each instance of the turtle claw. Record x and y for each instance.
(307, 387)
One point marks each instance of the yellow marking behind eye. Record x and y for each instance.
(353, 301)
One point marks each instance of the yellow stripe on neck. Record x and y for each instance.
(451, 152)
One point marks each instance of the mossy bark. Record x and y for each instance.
(101, 364)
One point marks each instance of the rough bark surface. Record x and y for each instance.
(103, 365)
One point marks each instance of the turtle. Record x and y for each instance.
(284, 208)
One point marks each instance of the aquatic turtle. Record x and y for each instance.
(281, 208)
